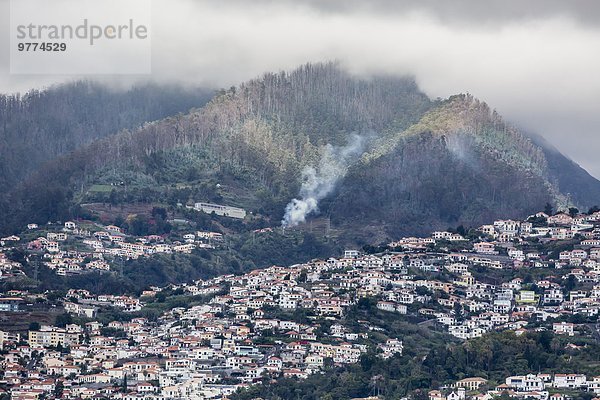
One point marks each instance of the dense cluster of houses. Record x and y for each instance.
(205, 351)
(73, 250)
(244, 330)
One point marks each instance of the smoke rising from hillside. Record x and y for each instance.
(318, 182)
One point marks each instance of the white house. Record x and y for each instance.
(569, 381)
(563, 328)
(525, 383)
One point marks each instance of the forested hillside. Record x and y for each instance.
(41, 125)
(461, 164)
(255, 138)
(425, 164)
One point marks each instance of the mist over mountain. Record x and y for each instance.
(570, 178)
(42, 125)
(424, 163)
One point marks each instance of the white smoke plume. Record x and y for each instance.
(318, 182)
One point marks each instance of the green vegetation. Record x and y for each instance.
(153, 308)
(433, 362)
(101, 188)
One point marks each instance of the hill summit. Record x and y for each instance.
(421, 164)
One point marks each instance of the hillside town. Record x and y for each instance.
(540, 274)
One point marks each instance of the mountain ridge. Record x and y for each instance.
(248, 145)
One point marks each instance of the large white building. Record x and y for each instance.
(225, 211)
(526, 383)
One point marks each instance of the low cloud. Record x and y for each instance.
(535, 62)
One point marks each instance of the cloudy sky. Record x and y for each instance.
(537, 62)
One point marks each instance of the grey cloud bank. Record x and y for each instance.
(536, 62)
(471, 12)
